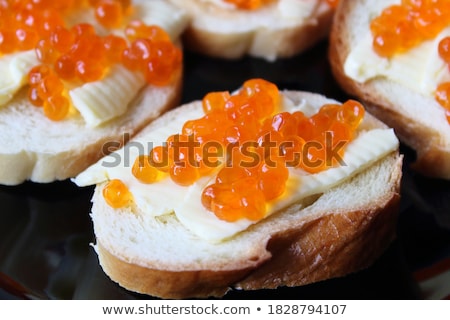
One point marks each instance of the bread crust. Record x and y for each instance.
(262, 42)
(329, 247)
(290, 248)
(333, 246)
(431, 145)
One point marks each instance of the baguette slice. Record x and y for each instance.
(34, 148)
(220, 31)
(419, 120)
(338, 232)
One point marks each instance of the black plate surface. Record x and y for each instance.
(46, 231)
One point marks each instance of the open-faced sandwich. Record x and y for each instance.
(395, 56)
(254, 189)
(78, 74)
(268, 29)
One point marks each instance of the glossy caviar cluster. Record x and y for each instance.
(265, 143)
(78, 54)
(401, 27)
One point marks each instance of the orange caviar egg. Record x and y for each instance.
(136, 56)
(34, 98)
(114, 46)
(351, 113)
(116, 194)
(159, 158)
(333, 3)
(248, 4)
(442, 95)
(314, 157)
(81, 30)
(184, 173)
(49, 86)
(255, 86)
(37, 73)
(87, 71)
(8, 41)
(215, 101)
(291, 150)
(164, 62)
(26, 38)
(45, 52)
(61, 39)
(143, 170)
(109, 13)
(65, 67)
(56, 107)
(229, 204)
(272, 177)
(284, 123)
(444, 49)
(50, 19)
(183, 166)
(230, 174)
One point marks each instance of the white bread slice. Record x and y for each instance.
(339, 232)
(38, 149)
(418, 120)
(218, 31)
(34, 148)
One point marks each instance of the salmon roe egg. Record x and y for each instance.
(272, 179)
(109, 13)
(333, 3)
(444, 49)
(248, 4)
(159, 158)
(215, 101)
(231, 202)
(183, 173)
(116, 194)
(442, 95)
(56, 107)
(144, 171)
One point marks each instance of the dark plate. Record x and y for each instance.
(46, 231)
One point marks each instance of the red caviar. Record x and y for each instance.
(79, 54)
(144, 171)
(260, 145)
(401, 27)
(249, 4)
(333, 3)
(116, 194)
